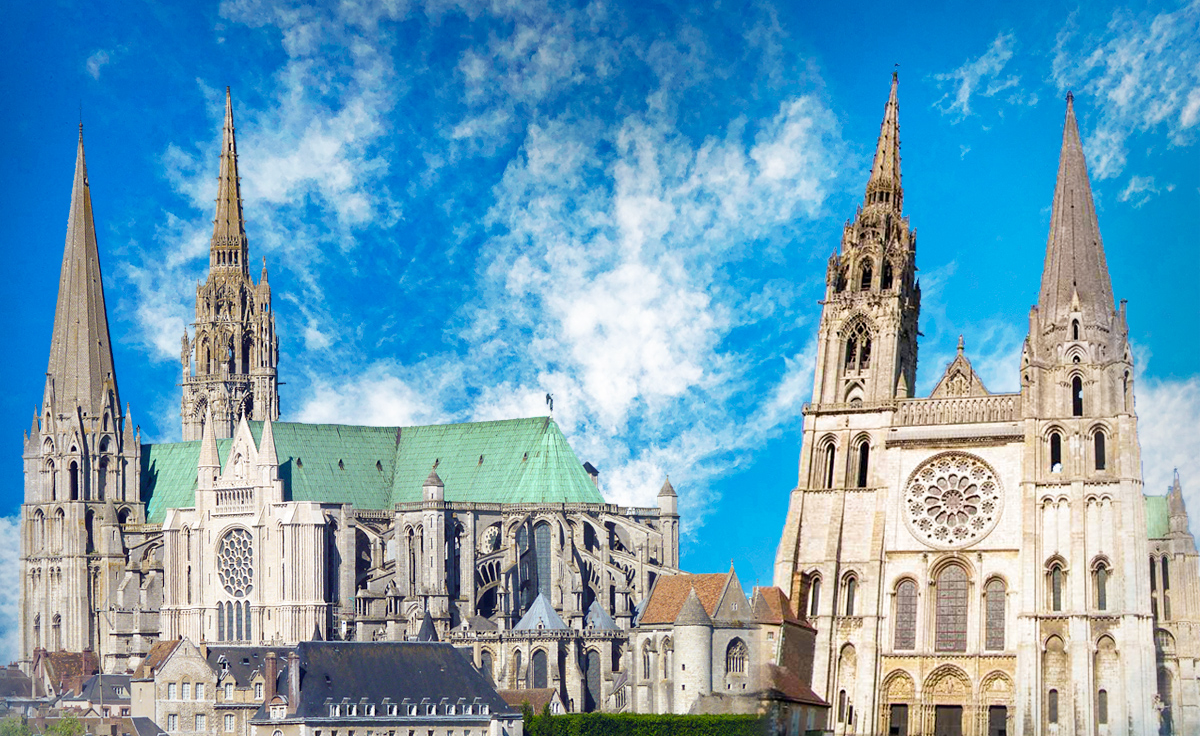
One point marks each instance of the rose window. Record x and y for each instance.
(952, 500)
(235, 562)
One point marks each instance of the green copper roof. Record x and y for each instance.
(1157, 524)
(510, 461)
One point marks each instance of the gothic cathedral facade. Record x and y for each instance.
(975, 562)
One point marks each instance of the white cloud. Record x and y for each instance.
(381, 395)
(96, 62)
(1168, 416)
(10, 588)
(1140, 189)
(982, 76)
(1140, 73)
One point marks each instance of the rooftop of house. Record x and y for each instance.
(671, 591)
(375, 672)
(509, 461)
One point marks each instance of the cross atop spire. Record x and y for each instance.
(1075, 266)
(81, 363)
(229, 245)
(884, 185)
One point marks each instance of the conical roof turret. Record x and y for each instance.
(81, 361)
(692, 612)
(1075, 266)
(229, 245)
(209, 455)
(884, 187)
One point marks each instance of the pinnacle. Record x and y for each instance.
(80, 350)
(1075, 275)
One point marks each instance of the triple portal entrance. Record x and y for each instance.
(948, 721)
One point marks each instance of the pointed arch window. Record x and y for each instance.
(1055, 452)
(1098, 443)
(849, 589)
(73, 470)
(867, 274)
(858, 347)
(994, 602)
(951, 610)
(906, 615)
(830, 458)
(1074, 329)
(1052, 706)
(102, 479)
(1056, 587)
(864, 459)
(814, 597)
(735, 657)
(1102, 587)
(646, 661)
(540, 678)
(1102, 707)
(888, 276)
(1076, 396)
(220, 621)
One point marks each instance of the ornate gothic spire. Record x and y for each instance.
(884, 185)
(229, 244)
(81, 362)
(1075, 264)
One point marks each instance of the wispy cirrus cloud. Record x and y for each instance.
(983, 76)
(10, 588)
(1143, 71)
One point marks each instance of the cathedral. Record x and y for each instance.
(965, 564)
(986, 563)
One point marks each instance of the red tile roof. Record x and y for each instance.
(158, 654)
(671, 591)
(538, 698)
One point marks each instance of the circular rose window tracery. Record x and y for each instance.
(235, 562)
(952, 500)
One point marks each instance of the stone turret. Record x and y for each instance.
(693, 634)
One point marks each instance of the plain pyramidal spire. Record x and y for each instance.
(229, 247)
(81, 363)
(1075, 267)
(884, 186)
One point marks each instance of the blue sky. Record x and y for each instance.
(464, 206)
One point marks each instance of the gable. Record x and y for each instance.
(959, 379)
(733, 605)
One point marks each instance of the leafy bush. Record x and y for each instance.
(639, 724)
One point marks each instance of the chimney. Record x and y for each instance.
(293, 681)
(271, 673)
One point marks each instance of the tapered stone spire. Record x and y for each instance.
(1075, 266)
(229, 246)
(884, 185)
(81, 362)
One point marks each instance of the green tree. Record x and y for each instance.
(66, 726)
(15, 725)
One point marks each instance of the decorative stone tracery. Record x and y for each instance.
(952, 500)
(235, 563)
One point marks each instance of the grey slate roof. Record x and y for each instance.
(1074, 252)
(109, 689)
(243, 662)
(541, 615)
(598, 618)
(388, 669)
(427, 632)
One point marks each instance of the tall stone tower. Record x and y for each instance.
(82, 458)
(230, 363)
(1087, 607)
(867, 341)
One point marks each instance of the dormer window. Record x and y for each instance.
(392, 709)
(335, 710)
(412, 710)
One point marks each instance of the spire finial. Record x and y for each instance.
(960, 344)
(229, 246)
(884, 187)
